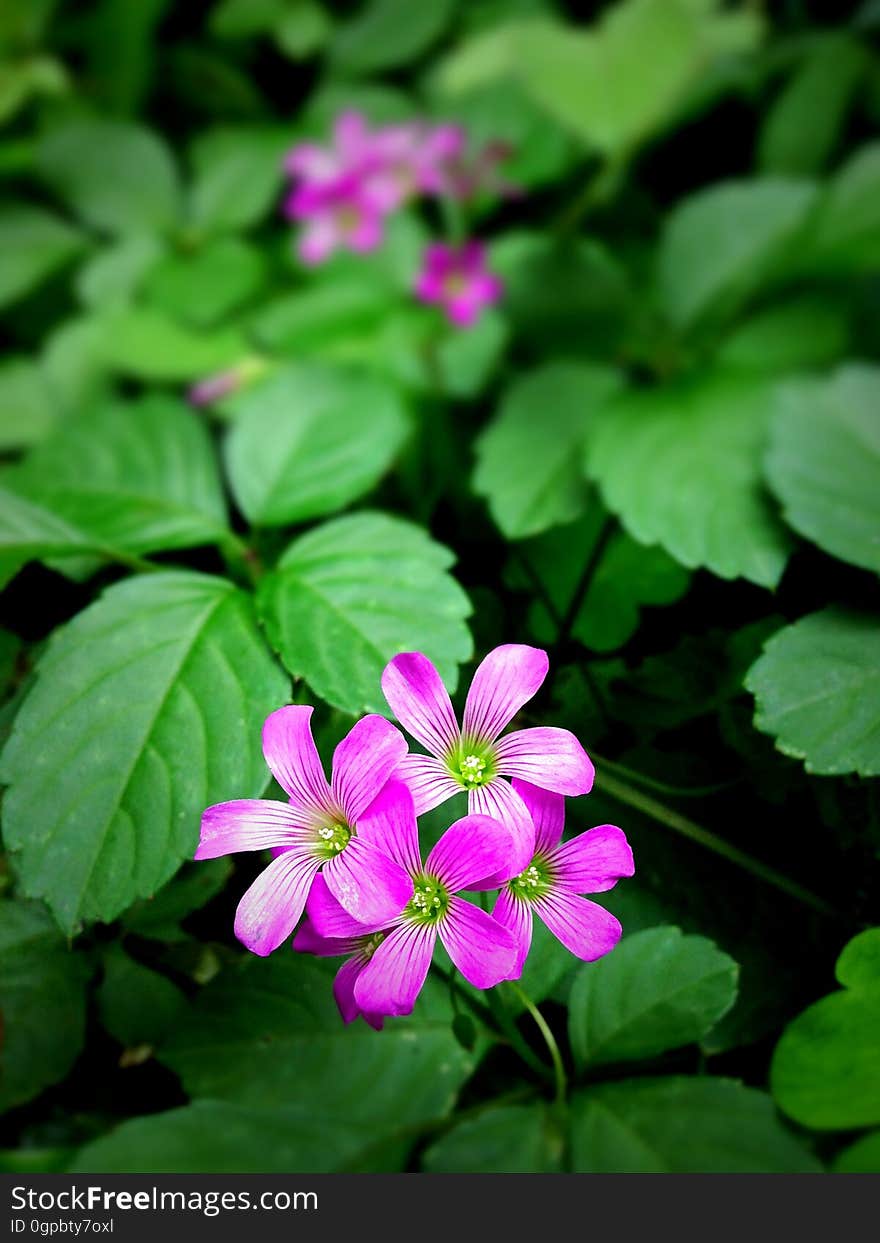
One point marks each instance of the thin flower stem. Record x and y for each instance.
(549, 1039)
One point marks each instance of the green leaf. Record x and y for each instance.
(657, 991)
(31, 532)
(352, 593)
(845, 235)
(825, 1071)
(626, 577)
(501, 1139)
(205, 286)
(147, 708)
(145, 343)
(726, 243)
(114, 275)
(817, 691)
(42, 1002)
(680, 466)
(158, 918)
(388, 33)
(35, 244)
(804, 332)
(237, 177)
(862, 1157)
(22, 79)
(114, 175)
(823, 462)
(27, 408)
(528, 457)
(137, 1006)
(71, 361)
(140, 476)
(677, 1125)
(310, 440)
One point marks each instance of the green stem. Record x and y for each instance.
(482, 1012)
(515, 1039)
(549, 1039)
(598, 190)
(651, 783)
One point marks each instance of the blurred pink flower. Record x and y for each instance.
(457, 279)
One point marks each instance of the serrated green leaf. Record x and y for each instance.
(528, 456)
(657, 990)
(115, 175)
(503, 1139)
(681, 467)
(310, 440)
(388, 33)
(823, 462)
(817, 691)
(30, 531)
(237, 176)
(42, 1002)
(677, 1125)
(147, 708)
(137, 1006)
(352, 593)
(35, 244)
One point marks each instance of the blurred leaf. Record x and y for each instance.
(205, 286)
(23, 23)
(725, 243)
(501, 1139)
(528, 458)
(681, 1126)
(657, 990)
(303, 30)
(31, 532)
(823, 463)
(42, 1002)
(241, 19)
(816, 691)
(145, 343)
(388, 33)
(310, 440)
(862, 1157)
(237, 177)
(114, 275)
(35, 244)
(845, 231)
(72, 363)
(806, 331)
(159, 918)
(826, 1068)
(465, 361)
(21, 79)
(680, 466)
(137, 1006)
(352, 593)
(147, 707)
(299, 27)
(27, 410)
(121, 49)
(116, 176)
(35, 1160)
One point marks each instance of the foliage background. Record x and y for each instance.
(659, 457)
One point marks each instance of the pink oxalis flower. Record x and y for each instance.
(317, 829)
(358, 945)
(388, 968)
(457, 279)
(557, 875)
(475, 757)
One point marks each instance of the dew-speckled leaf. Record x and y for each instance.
(817, 692)
(656, 991)
(680, 465)
(42, 1002)
(310, 440)
(147, 707)
(528, 458)
(503, 1139)
(823, 462)
(679, 1125)
(352, 593)
(35, 243)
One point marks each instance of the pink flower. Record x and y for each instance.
(359, 945)
(474, 757)
(336, 214)
(555, 878)
(387, 979)
(317, 828)
(407, 160)
(457, 280)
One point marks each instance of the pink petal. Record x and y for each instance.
(500, 801)
(470, 850)
(392, 979)
(516, 916)
(464, 309)
(583, 927)
(389, 823)
(547, 757)
(269, 911)
(428, 780)
(366, 234)
(547, 811)
(507, 678)
(363, 762)
(308, 940)
(330, 919)
(593, 861)
(484, 951)
(371, 887)
(318, 240)
(420, 701)
(250, 824)
(343, 991)
(291, 754)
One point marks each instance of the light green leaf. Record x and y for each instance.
(310, 440)
(680, 466)
(205, 286)
(845, 235)
(823, 462)
(147, 708)
(817, 691)
(237, 176)
(502, 1139)
(352, 593)
(528, 457)
(147, 344)
(116, 176)
(35, 244)
(657, 990)
(137, 1006)
(114, 275)
(71, 360)
(42, 1002)
(27, 408)
(804, 332)
(725, 243)
(859, 963)
(388, 33)
(681, 1126)
(862, 1157)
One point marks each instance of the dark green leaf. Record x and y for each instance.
(388, 33)
(845, 234)
(803, 332)
(502, 1139)
(159, 917)
(137, 1006)
(862, 1157)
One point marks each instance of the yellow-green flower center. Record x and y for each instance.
(332, 839)
(429, 903)
(534, 881)
(472, 765)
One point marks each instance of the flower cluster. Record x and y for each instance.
(347, 853)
